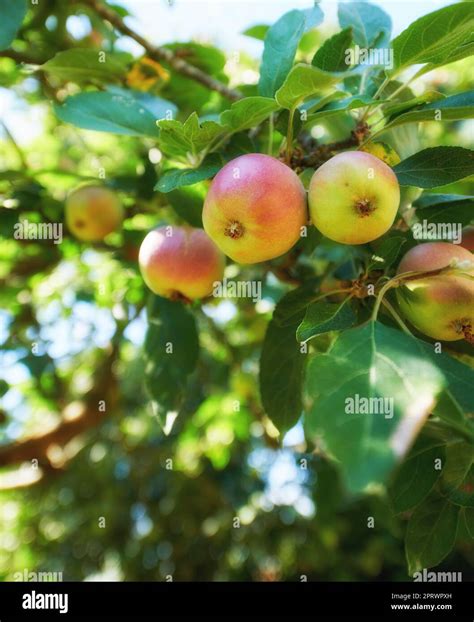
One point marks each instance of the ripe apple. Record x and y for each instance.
(441, 306)
(255, 208)
(180, 263)
(353, 198)
(92, 212)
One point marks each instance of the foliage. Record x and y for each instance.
(169, 449)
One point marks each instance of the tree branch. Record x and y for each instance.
(322, 153)
(20, 57)
(90, 415)
(163, 54)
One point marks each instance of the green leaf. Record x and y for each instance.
(258, 31)
(189, 95)
(187, 202)
(374, 368)
(281, 372)
(317, 103)
(188, 138)
(4, 387)
(405, 139)
(108, 112)
(449, 411)
(248, 112)
(435, 166)
(177, 177)
(302, 82)
(323, 317)
(463, 51)
(393, 109)
(329, 490)
(469, 519)
(281, 42)
(459, 377)
(457, 483)
(237, 145)
(417, 475)
(331, 56)
(429, 200)
(452, 108)
(13, 14)
(370, 24)
(309, 43)
(459, 459)
(431, 533)
(314, 16)
(439, 208)
(341, 106)
(171, 352)
(13, 176)
(160, 108)
(207, 57)
(434, 37)
(386, 252)
(120, 10)
(456, 399)
(84, 65)
(291, 308)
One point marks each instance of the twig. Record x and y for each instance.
(163, 54)
(377, 94)
(289, 136)
(322, 153)
(402, 86)
(20, 57)
(404, 277)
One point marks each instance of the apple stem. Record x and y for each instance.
(399, 320)
(177, 296)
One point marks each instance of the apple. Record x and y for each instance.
(441, 306)
(180, 263)
(353, 198)
(255, 208)
(92, 212)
